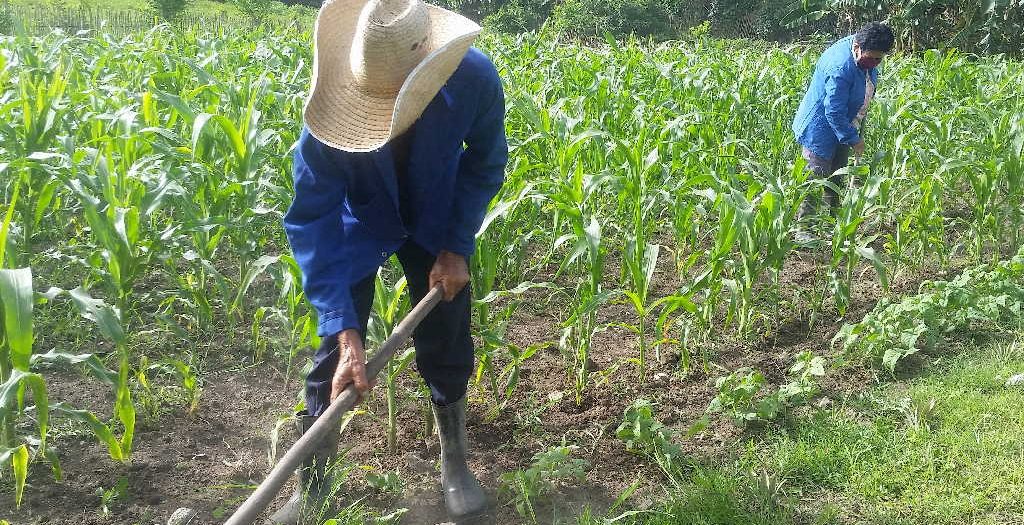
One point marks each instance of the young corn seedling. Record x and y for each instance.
(578, 331)
(108, 321)
(390, 305)
(763, 221)
(717, 261)
(16, 377)
(641, 257)
(121, 192)
(850, 244)
(37, 116)
(498, 248)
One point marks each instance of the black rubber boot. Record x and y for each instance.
(463, 496)
(314, 483)
(806, 222)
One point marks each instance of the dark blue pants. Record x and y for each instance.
(444, 345)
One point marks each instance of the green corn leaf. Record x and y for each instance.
(254, 271)
(105, 316)
(518, 290)
(198, 125)
(234, 136)
(18, 458)
(100, 430)
(868, 253)
(11, 392)
(44, 198)
(5, 226)
(124, 409)
(16, 300)
(91, 362)
(54, 460)
(502, 208)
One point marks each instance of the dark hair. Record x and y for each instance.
(875, 36)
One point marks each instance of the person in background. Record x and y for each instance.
(830, 117)
(403, 149)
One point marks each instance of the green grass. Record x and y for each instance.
(887, 457)
(897, 459)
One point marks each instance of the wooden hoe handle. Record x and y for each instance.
(264, 495)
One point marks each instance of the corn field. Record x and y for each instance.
(652, 193)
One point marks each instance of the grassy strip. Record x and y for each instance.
(945, 448)
(938, 449)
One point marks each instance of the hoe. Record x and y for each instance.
(265, 494)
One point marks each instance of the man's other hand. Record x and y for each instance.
(451, 271)
(351, 365)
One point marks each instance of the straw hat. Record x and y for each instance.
(377, 65)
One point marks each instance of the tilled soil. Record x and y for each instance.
(210, 460)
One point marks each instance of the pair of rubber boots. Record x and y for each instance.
(463, 497)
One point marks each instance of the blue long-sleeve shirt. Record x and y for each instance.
(835, 96)
(344, 221)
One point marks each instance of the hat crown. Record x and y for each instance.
(390, 41)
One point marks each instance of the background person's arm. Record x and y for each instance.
(837, 102)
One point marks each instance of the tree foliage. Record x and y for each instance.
(169, 10)
(981, 26)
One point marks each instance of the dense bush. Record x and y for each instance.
(169, 10)
(520, 15)
(987, 26)
(983, 26)
(255, 10)
(619, 17)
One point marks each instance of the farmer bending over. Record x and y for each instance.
(830, 117)
(403, 149)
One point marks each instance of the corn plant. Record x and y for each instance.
(108, 321)
(32, 126)
(391, 303)
(763, 218)
(850, 243)
(16, 377)
(121, 193)
(499, 247)
(579, 329)
(641, 257)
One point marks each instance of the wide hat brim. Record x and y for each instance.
(343, 116)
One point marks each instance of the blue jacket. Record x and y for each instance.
(835, 96)
(344, 221)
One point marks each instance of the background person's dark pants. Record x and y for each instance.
(825, 169)
(444, 345)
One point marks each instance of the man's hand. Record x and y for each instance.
(858, 149)
(351, 365)
(450, 271)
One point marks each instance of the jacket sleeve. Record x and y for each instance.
(837, 102)
(314, 228)
(481, 169)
